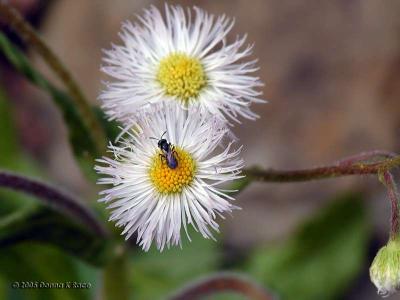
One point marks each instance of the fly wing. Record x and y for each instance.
(171, 160)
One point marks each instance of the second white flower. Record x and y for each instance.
(182, 57)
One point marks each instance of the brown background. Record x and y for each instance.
(331, 73)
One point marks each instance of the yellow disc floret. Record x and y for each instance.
(167, 180)
(181, 76)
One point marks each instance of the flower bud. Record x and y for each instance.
(385, 269)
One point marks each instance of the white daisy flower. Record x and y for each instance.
(182, 57)
(154, 192)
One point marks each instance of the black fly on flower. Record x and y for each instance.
(155, 195)
(168, 152)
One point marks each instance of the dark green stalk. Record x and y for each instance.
(54, 198)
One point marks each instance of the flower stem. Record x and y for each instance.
(55, 199)
(354, 165)
(220, 283)
(390, 184)
(25, 31)
(365, 156)
(374, 162)
(272, 175)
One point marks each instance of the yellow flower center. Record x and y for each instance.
(181, 76)
(167, 180)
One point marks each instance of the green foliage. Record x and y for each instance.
(321, 259)
(33, 263)
(155, 274)
(12, 158)
(80, 137)
(111, 128)
(9, 150)
(47, 226)
(238, 186)
(24, 224)
(116, 275)
(8, 146)
(3, 289)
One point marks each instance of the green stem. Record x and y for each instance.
(25, 31)
(116, 276)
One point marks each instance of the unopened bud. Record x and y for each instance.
(385, 269)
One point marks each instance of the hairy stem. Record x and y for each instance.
(272, 175)
(29, 36)
(354, 165)
(390, 184)
(54, 198)
(365, 156)
(221, 283)
(374, 162)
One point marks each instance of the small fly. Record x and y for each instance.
(168, 152)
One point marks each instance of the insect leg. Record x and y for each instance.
(173, 150)
(162, 156)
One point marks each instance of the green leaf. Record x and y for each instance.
(3, 289)
(238, 186)
(322, 258)
(156, 274)
(79, 135)
(30, 263)
(43, 225)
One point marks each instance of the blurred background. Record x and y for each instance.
(331, 71)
